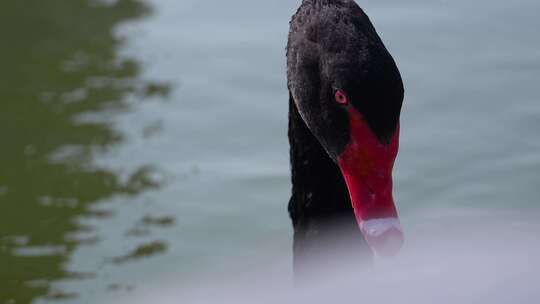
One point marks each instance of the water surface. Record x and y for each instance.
(145, 142)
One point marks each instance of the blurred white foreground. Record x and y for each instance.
(449, 257)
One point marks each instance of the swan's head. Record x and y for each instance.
(349, 92)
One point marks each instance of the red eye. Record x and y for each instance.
(341, 98)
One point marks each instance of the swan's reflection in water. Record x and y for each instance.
(61, 71)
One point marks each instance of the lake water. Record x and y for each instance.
(145, 142)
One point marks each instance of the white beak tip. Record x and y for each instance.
(384, 236)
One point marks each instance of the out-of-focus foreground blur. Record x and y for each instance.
(144, 142)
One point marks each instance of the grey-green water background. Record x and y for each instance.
(142, 141)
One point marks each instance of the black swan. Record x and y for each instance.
(345, 97)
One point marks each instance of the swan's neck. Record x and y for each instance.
(318, 190)
(320, 207)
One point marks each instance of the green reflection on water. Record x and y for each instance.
(59, 59)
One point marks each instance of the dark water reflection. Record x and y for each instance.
(59, 60)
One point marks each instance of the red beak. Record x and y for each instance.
(366, 165)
